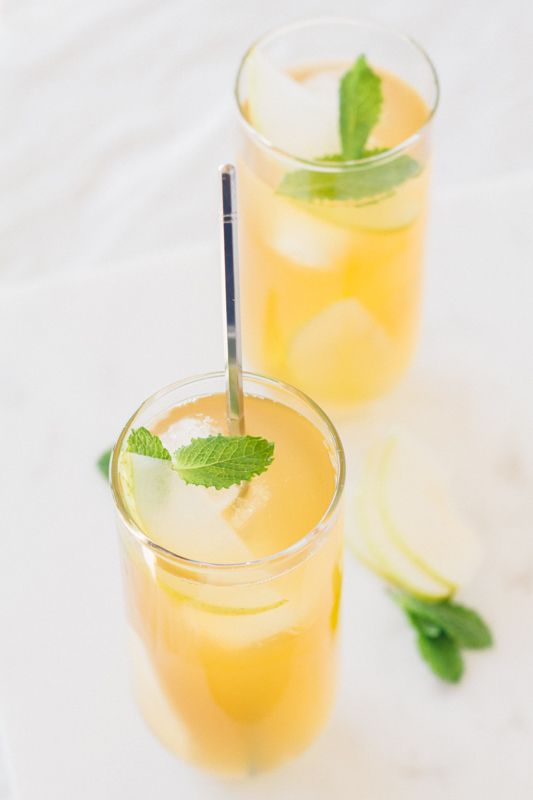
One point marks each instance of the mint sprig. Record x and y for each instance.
(442, 655)
(144, 443)
(360, 101)
(443, 629)
(214, 461)
(103, 462)
(374, 181)
(222, 461)
(360, 104)
(463, 624)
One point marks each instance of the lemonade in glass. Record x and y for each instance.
(233, 594)
(333, 171)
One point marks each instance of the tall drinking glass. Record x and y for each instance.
(233, 629)
(332, 249)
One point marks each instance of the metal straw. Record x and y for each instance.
(230, 264)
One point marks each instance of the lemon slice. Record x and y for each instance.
(419, 516)
(295, 118)
(208, 599)
(370, 542)
(305, 240)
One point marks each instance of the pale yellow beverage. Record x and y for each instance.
(233, 595)
(331, 284)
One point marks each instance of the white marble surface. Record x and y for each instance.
(98, 306)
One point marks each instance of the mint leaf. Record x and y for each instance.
(462, 624)
(424, 626)
(443, 628)
(442, 655)
(374, 151)
(355, 183)
(222, 461)
(361, 100)
(144, 443)
(103, 462)
(218, 461)
(360, 103)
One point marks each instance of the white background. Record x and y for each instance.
(114, 117)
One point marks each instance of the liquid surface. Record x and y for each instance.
(273, 510)
(403, 111)
(331, 288)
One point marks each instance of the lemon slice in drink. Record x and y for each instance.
(295, 118)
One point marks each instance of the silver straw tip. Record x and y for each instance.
(229, 205)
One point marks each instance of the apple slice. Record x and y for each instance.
(187, 520)
(370, 542)
(419, 517)
(293, 117)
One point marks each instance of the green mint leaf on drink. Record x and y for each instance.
(374, 151)
(361, 183)
(360, 104)
(442, 655)
(144, 443)
(103, 462)
(443, 629)
(360, 101)
(215, 461)
(223, 461)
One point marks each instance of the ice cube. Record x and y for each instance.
(303, 239)
(247, 501)
(184, 430)
(294, 118)
(325, 85)
(342, 349)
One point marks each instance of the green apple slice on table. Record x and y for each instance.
(406, 524)
(419, 514)
(370, 541)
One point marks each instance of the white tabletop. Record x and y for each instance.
(101, 302)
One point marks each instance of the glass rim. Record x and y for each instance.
(316, 164)
(194, 564)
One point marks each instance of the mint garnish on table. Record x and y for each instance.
(103, 462)
(443, 629)
(214, 461)
(360, 104)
